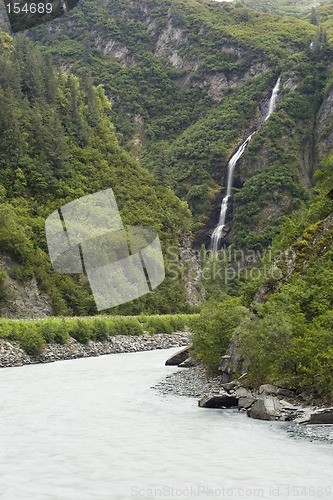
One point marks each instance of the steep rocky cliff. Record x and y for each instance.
(23, 300)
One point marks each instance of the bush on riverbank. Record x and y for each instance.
(213, 329)
(35, 335)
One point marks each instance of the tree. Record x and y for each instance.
(313, 17)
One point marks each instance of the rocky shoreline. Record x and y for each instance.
(269, 403)
(12, 354)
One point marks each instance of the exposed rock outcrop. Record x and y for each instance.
(191, 271)
(116, 50)
(179, 357)
(218, 401)
(317, 416)
(324, 125)
(232, 364)
(26, 300)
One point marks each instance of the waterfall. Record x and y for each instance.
(217, 233)
(273, 99)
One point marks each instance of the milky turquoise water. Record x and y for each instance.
(93, 429)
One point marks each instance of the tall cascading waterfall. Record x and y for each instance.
(217, 233)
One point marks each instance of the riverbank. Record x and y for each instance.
(192, 383)
(12, 354)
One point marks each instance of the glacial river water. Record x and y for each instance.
(93, 429)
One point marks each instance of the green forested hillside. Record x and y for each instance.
(187, 81)
(57, 143)
(282, 318)
(301, 8)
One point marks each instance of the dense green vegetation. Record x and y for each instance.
(301, 8)
(158, 64)
(287, 336)
(188, 81)
(57, 143)
(35, 335)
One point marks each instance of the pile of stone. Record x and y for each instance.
(11, 353)
(268, 403)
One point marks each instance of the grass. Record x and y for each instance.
(34, 335)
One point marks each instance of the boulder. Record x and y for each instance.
(285, 393)
(218, 401)
(230, 386)
(268, 389)
(179, 357)
(240, 382)
(266, 408)
(272, 408)
(188, 363)
(246, 403)
(314, 416)
(241, 392)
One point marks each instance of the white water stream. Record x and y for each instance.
(218, 231)
(92, 429)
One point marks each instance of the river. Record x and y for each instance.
(92, 429)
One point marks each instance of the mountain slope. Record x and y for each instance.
(187, 81)
(57, 143)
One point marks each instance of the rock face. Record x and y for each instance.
(170, 45)
(116, 50)
(232, 363)
(321, 416)
(26, 300)
(325, 129)
(191, 272)
(179, 357)
(218, 401)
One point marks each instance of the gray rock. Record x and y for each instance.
(230, 386)
(266, 408)
(12, 354)
(188, 363)
(241, 392)
(232, 363)
(179, 357)
(321, 416)
(285, 393)
(246, 403)
(218, 401)
(268, 389)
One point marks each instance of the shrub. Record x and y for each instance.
(31, 339)
(55, 331)
(100, 330)
(133, 326)
(177, 323)
(4, 293)
(158, 324)
(213, 329)
(82, 331)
